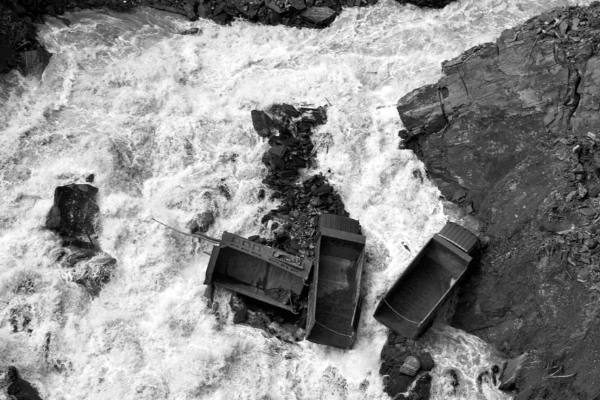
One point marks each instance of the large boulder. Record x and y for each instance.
(13, 385)
(74, 216)
(75, 210)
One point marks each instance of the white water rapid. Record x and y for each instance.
(156, 116)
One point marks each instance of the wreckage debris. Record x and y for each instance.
(410, 304)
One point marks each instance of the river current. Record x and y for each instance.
(158, 118)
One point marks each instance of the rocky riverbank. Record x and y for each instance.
(19, 48)
(511, 133)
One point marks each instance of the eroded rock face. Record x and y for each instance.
(511, 132)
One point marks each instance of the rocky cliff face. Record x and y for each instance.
(511, 132)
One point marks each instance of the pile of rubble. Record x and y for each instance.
(294, 222)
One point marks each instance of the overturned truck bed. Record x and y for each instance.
(258, 271)
(410, 304)
(334, 299)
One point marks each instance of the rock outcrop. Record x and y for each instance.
(74, 217)
(511, 133)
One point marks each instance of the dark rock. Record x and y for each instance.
(421, 110)
(33, 62)
(224, 190)
(318, 15)
(74, 211)
(90, 178)
(239, 309)
(427, 362)
(94, 273)
(191, 31)
(201, 222)
(511, 371)
(19, 388)
(594, 191)
(12, 374)
(263, 124)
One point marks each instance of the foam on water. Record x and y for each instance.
(158, 118)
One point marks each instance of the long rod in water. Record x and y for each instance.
(199, 236)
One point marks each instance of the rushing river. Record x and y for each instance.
(157, 116)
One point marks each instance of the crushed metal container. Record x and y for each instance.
(258, 271)
(410, 304)
(334, 300)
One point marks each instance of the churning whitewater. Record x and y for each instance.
(157, 117)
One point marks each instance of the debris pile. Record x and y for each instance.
(295, 220)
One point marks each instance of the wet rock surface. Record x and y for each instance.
(13, 385)
(394, 356)
(427, 3)
(74, 217)
(511, 133)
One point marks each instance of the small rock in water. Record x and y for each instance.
(224, 190)
(239, 309)
(201, 222)
(263, 124)
(191, 31)
(594, 191)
